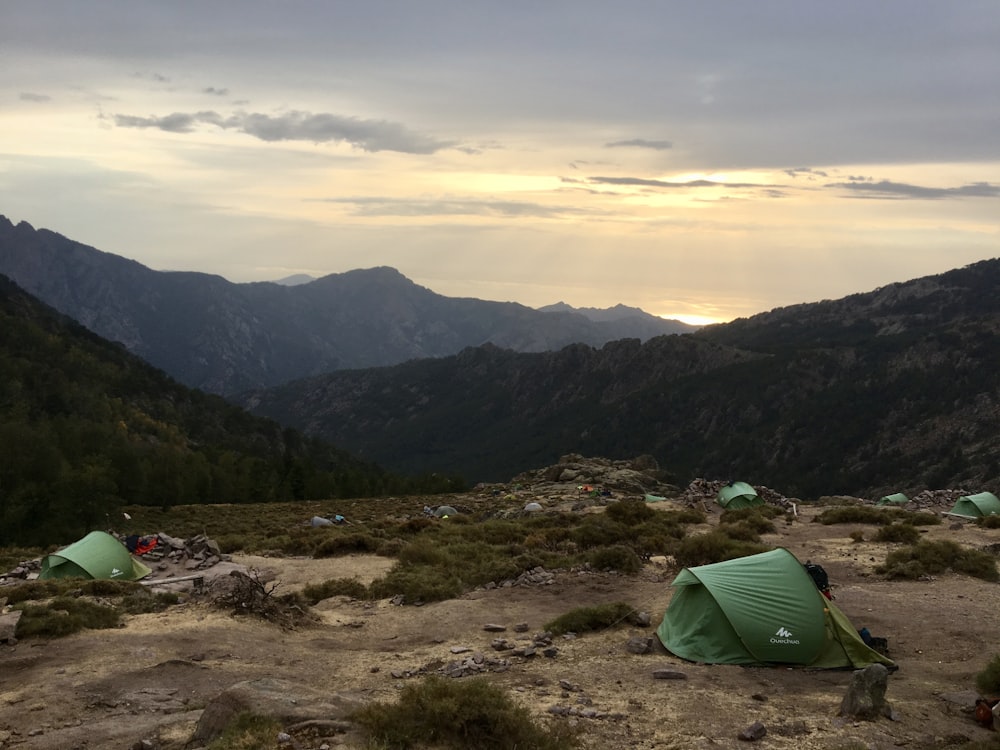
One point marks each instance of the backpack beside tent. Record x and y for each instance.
(737, 495)
(97, 555)
(760, 609)
(976, 506)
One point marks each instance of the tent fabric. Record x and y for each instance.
(976, 506)
(443, 511)
(897, 498)
(737, 495)
(760, 609)
(97, 555)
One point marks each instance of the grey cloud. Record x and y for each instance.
(178, 122)
(368, 135)
(885, 189)
(214, 91)
(639, 181)
(640, 143)
(809, 171)
(374, 206)
(27, 96)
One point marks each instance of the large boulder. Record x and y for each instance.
(287, 702)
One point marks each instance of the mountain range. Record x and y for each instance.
(225, 338)
(892, 390)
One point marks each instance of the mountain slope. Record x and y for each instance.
(86, 427)
(893, 390)
(223, 337)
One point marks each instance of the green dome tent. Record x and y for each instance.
(760, 609)
(97, 555)
(897, 498)
(737, 495)
(976, 506)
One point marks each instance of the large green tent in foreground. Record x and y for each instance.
(97, 555)
(760, 609)
(976, 506)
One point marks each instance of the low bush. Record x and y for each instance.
(619, 557)
(990, 522)
(630, 512)
(471, 713)
(347, 544)
(587, 619)
(903, 533)
(876, 515)
(317, 592)
(63, 616)
(248, 731)
(715, 546)
(142, 601)
(857, 536)
(988, 681)
(929, 557)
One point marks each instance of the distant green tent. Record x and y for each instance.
(97, 555)
(760, 609)
(897, 498)
(976, 506)
(737, 495)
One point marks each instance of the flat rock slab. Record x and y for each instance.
(8, 625)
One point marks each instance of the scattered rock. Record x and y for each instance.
(639, 644)
(668, 674)
(753, 732)
(865, 698)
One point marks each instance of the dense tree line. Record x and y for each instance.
(86, 427)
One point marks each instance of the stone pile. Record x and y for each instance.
(21, 572)
(194, 554)
(636, 476)
(478, 663)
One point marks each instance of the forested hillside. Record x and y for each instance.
(897, 389)
(86, 427)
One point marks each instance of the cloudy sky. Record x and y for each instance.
(703, 160)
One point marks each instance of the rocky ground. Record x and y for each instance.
(149, 683)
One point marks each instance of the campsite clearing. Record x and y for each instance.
(151, 678)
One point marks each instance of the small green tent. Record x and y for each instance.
(737, 495)
(97, 555)
(976, 506)
(760, 609)
(897, 498)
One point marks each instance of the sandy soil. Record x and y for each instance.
(151, 678)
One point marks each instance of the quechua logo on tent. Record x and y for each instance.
(784, 636)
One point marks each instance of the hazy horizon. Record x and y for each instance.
(700, 161)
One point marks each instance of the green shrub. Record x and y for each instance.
(990, 522)
(988, 681)
(757, 523)
(64, 616)
(929, 557)
(599, 531)
(903, 533)
(618, 557)
(317, 592)
(248, 731)
(630, 512)
(142, 601)
(346, 544)
(461, 714)
(715, 546)
(765, 511)
(587, 619)
(855, 514)
(417, 584)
